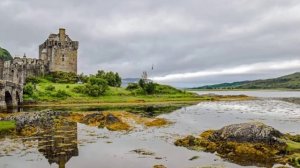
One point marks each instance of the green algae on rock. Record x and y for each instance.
(247, 144)
(7, 127)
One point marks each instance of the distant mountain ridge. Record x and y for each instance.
(291, 81)
(5, 55)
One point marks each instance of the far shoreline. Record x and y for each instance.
(280, 89)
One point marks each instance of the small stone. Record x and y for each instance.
(159, 166)
(194, 158)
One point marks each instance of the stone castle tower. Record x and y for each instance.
(60, 52)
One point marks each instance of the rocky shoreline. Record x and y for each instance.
(34, 123)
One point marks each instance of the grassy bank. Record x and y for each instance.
(61, 89)
(61, 93)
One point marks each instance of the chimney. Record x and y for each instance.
(62, 34)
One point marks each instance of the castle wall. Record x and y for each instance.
(18, 69)
(1, 69)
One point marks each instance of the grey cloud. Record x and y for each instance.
(175, 36)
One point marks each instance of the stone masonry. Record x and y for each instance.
(57, 53)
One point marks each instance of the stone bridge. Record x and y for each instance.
(11, 94)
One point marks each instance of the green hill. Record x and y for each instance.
(291, 81)
(5, 55)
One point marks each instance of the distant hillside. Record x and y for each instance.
(291, 81)
(5, 55)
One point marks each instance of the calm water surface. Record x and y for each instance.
(260, 93)
(102, 148)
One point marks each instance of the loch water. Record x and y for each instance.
(91, 147)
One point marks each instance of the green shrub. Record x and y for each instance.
(150, 88)
(50, 88)
(33, 80)
(83, 78)
(96, 87)
(132, 86)
(95, 90)
(28, 89)
(62, 77)
(61, 94)
(79, 89)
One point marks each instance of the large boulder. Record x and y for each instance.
(248, 144)
(253, 132)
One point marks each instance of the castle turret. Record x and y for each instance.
(60, 52)
(62, 34)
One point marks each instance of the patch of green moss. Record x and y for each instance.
(292, 146)
(7, 127)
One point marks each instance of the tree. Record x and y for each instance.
(83, 78)
(96, 87)
(113, 79)
(147, 85)
(132, 86)
(118, 80)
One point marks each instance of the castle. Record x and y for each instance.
(60, 52)
(57, 53)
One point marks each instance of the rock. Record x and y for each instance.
(93, 118)
(194, 158)
(253, 132)
(248, 144)
(41, 119)
(143, 152)
(159, 166)
(111, 119)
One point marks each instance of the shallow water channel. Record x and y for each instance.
(97, 147)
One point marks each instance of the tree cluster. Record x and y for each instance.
(142, 87)
(62, 77)
(94, 87)
(113, 79)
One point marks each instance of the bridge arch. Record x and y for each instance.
(11, 94)
(8, 99)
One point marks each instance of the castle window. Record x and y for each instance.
(63, 57)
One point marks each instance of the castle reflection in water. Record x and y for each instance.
(59, 143)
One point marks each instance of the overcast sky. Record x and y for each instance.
(189, 42)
